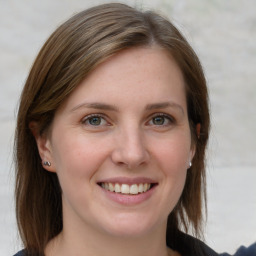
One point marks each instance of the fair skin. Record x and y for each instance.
(121, 146)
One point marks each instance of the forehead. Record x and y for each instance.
(136, 61)
(149, 73)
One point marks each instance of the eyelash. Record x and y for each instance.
(89, 117)
(102, 117)
(170, 119)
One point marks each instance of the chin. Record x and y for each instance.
(131, 232)
(131, 227)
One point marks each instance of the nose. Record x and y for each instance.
(130, 149)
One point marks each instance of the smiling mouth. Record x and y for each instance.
(133, 189)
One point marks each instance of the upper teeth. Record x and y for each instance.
(133, 189)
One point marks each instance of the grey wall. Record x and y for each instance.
(223, 33)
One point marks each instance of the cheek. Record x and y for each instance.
(77, 160)
(76, 157)
(171, 158)
(173, 155)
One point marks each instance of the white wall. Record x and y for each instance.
(223, 34)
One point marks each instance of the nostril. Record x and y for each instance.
(130, 152)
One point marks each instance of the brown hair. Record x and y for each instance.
(67, 57)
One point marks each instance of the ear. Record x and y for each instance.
(198, 130)
(191, 155)
(193, 146)
(43, 145)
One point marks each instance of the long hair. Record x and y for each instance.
(76, 48)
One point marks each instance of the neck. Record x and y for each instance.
(92, 243)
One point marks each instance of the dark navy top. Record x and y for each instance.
(187, 245)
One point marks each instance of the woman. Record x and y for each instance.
(111, 135)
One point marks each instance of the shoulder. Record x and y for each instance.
(20, 253)
(187, 245)
(244, 251)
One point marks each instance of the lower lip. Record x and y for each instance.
(125, 199)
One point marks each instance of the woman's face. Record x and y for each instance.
(121, 145)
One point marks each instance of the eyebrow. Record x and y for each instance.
(95, 105)
(103, 106)
(164, 105)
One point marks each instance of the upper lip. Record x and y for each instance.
(128, 181)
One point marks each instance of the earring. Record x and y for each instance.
(190, 164)
(47, 163)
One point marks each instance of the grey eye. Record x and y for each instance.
(159, 120)
(96, 120)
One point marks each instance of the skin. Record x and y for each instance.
(141, 129)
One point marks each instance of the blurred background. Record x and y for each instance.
(223, 33)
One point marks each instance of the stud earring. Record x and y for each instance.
(190, 164)
(47, 163)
